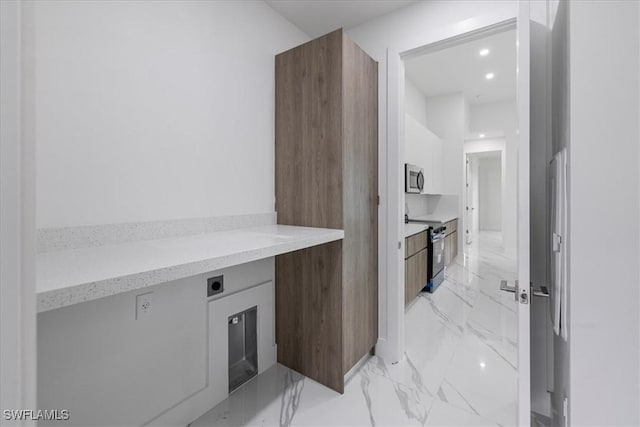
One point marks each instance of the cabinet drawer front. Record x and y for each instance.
(452, 226)
(454, 246)
(415, 243)
(450, 247)
(415, 275)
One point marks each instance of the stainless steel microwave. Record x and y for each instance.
(413, 178)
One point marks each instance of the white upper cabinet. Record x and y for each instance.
(423, 148)
(437, 159)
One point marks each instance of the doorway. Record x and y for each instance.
(487, 195)
(460, 127)
(471, 198)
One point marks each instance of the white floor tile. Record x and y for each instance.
(480, 379)
(444, 414)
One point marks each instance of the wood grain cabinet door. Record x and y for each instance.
(447, 250)
(454, 246)
(326, 164)
(451, 241)
(415, 243)
(415, 275)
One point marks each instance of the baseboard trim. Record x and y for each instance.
(355, 368)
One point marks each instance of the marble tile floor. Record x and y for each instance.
(460, 367)
(539, 420)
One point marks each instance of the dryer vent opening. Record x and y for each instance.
(243, 347)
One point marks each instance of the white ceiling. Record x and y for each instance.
(318, 17)
(460, 68)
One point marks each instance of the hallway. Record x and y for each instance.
(460, 365)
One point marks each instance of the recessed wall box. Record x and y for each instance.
(215, 285)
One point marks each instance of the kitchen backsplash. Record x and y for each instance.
(429, 204)
(415, 204)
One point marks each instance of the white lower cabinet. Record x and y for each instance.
(108, 366)
(245, 286)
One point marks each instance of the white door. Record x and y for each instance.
(392, 344)
(523, 290)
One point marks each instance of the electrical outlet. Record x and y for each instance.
(143, 305)
(215, 285)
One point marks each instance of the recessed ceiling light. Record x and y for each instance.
(484, 52)
(482, 135)
(482, 365)
(489, 76)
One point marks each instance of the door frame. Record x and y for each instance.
(17, 207)
(498, 144)
(390, 344)
(390, 347)
(523, 81)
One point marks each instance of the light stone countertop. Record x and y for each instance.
(67, 277)
(440, 218)
(411, 229)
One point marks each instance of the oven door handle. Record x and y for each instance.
(437, 237)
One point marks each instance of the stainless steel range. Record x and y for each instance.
(435, 245)
(435, 268)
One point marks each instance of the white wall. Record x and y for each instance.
(603, 179)
(502, 116)
(415, 103)
(490, 193)
(147, 111)
(440, 205)
(155, 110)
(415, 205)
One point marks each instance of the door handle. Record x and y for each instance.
(540, 291)
(504, 286)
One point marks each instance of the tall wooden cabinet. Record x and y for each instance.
(327, 176)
